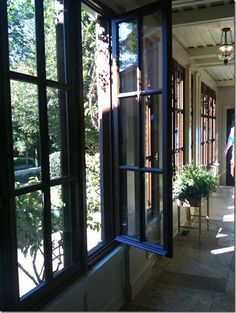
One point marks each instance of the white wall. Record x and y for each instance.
(225, 101)
(115, 279)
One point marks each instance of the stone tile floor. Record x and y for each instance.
(199, 278)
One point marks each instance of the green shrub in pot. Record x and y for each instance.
(193, 184)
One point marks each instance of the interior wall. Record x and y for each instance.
(107, 285)
(226, 100)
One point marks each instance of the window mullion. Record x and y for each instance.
(8, 265)
(77, 129)
(141, 131)
(43, 118)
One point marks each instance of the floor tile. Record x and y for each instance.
(223, 302)
(194, 281)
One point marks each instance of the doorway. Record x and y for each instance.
(230, 172)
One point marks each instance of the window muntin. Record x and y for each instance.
(208, 127)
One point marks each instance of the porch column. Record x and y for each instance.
(196, 118)
(187, 125)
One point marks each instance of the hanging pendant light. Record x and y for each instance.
(226, 49)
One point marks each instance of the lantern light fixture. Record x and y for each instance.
(226, 49)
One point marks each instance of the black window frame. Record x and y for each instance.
(165, 91)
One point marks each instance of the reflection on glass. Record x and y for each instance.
(25, 127)
(129, 150)
(21, 31)
(154, 208)
(54, 39)
(152, 106)
(30, 250)
(128, 56)
(94, 49)
(58, 132)
(130, 203)
(152, 52)
(61, 227)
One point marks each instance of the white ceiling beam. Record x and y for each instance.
(225, 83)
(202, 53)
(212, 63)
(197, 16)
(176, 4)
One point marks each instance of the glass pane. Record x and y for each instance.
(128, 56)
(152, 106)
(154, 208)
(21, 30)
(130, 192)
(25, 127)
(152, 51)
(95, 50)
(30, 250)
(58, 132)
(129, 148)
(61, 227)
(54, 39)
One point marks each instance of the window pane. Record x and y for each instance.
(21, 30)
(154, 208)
(152, 106)
(95, 75)
(128, 56)
(30, 250)
(54, 39)
(152, 51)
(25, 126)
(130, 192)
(61, 227)
(58, 132)
(129, 148)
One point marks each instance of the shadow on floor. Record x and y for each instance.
(199, 278)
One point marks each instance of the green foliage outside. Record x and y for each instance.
(194, 183)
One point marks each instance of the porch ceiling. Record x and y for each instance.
(197, 27)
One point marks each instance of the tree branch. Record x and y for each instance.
(28, 274)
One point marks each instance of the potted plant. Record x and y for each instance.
(193, 184)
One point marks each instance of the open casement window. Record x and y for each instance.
(142, 127)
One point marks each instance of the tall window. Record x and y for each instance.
(208, 125)
(142, 129)
(178, 115)
(58, 182)
(43, 172)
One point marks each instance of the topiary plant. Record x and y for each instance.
(193, 183)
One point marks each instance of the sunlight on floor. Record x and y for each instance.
(230, 207)
(222, 250)
(228, 218)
